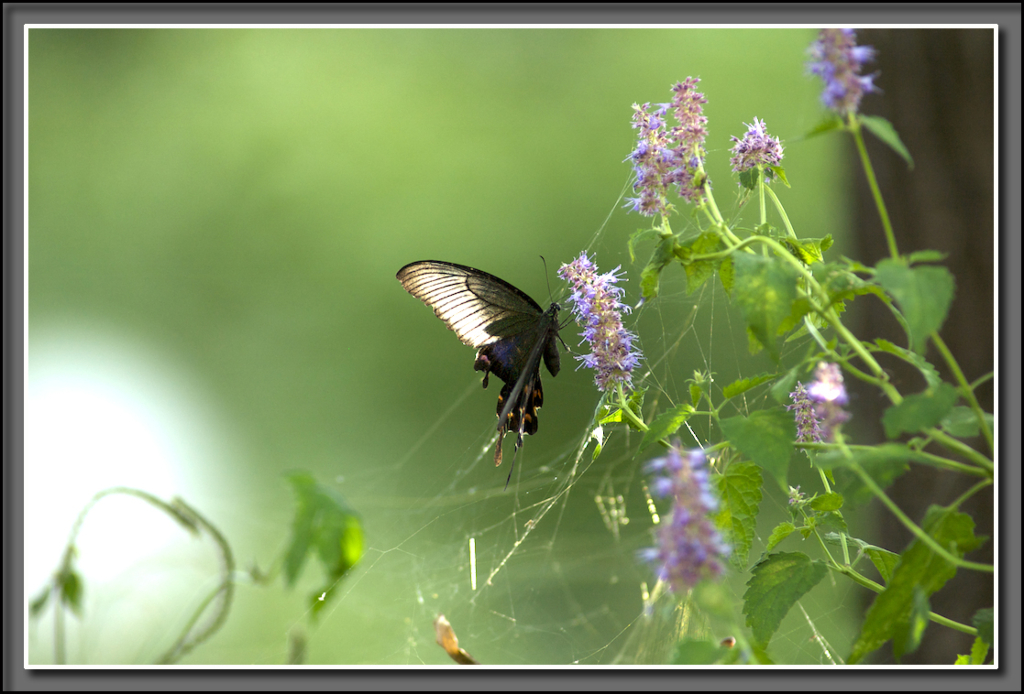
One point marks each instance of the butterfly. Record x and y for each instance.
(509, 330)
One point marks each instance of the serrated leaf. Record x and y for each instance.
(806, 250)
(962, 423)
(640, 236)
(919, 568)
(650, 276)
(884, 560)
(827, 502)
(765, 291)
(884, 131)
(748, 179)
(766, 437)
(777, 583)
(745, 384)
(931, 376)
(979, 653)
(727, 275)
(610, 414)
(695, 393)
(923, 294)
(665, 424)
(698, 271)
(920, 411)
(739, 495)
(833, 520)
(780, 533)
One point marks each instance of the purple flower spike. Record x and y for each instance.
(596, 306)
(819, 406)
(756, 148)
(836, 59)
(665, 157)
(689, 546)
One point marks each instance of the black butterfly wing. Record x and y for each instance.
(508, 328)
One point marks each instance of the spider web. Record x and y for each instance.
(546, 572)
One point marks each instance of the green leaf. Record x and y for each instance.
(739, 495)
(727, 275)
(962, 423)
(748, 179)
(694, 652)
(883, 130)
(979, 652)
(640, 236)
(38, 603)
(827, 502)
(830, 124)
(984, 622)
(695, 393)
(784, 386)
(650, 276)
(780, 533)
(777, 583)
(884, 560)
(765, 291)
(931, 376)
(920, 411)
(71, 589)
(923, 293)
(780, 173)
(608, 414)
(809, 251)
(893, 609)
(766, 437)
(745, 384)
(907, 634)
(698, 271)
(665, 424)
(323, 523)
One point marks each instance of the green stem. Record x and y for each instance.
(965, 388)
(913, 527)
(854, 127)
(961, 448)
(782, 211)
(866, 582)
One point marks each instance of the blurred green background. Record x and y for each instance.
(216, 217)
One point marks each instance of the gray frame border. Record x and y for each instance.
(16, 16)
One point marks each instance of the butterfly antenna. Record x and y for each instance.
(547, 279)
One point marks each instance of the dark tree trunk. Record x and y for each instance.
(938, 93)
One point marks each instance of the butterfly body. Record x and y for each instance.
(509, 330)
